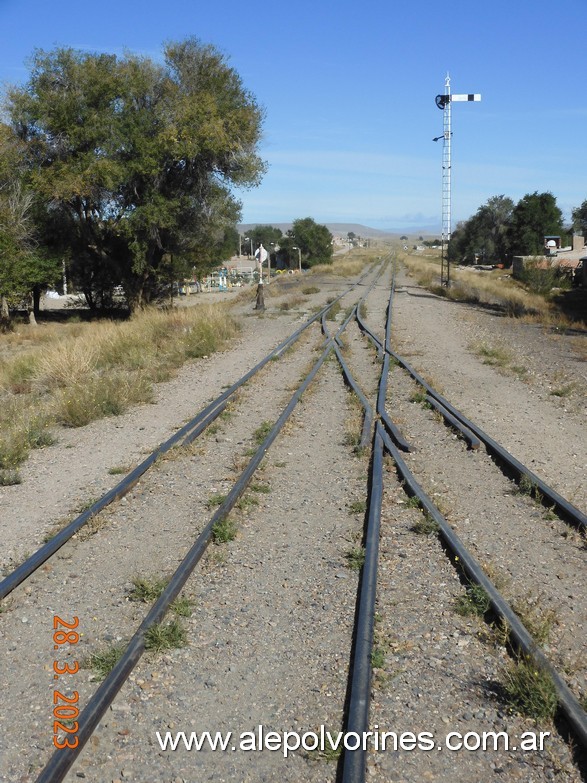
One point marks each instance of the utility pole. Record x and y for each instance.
(444, 102)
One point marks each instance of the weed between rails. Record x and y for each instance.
(529, 690)
(103, 661)
(224, 530)
(147, 590)
(355, 558)
(475, 601)
(166, 636)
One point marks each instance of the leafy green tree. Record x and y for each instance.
(25, 270)
(313, 239)
(485, 234)
(579, 216)
(286, 256)
(132, 162)
(265, 235)
(535, 216)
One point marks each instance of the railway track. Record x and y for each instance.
(289, 602)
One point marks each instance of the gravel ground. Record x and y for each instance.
(270, 623)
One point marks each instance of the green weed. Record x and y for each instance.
(475, 601)
(103, 661)
(355, 558)
(358, 507)
(262, 431)
(147, 590)
(224, 530)
(426, 526)
(530, 690)
(165, 636)
(9, 477)
(215, 500)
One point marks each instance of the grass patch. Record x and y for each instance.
(358, 507)
(9, 477)
(289, 304)
(262, 431)
(377, 658)
(494, 356)
(529, 488)
(263, 489)
(333, 311)
(147, 590)
(247, 502)
(76, 373)
(215, 500)
(419, 397)
(475, 601)
(426, 526)
(103, 661)
(538, 621)
(224, 530)
(355, 558)
(119, 470)
(529, 690)
(166, 636)
(182, 607)
(563, 391)
(310, 289)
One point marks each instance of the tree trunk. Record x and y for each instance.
(36, 300)
(5, 324)
(31, 310)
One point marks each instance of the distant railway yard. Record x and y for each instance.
(348, 541)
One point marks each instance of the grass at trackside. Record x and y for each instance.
(74, 374)
(496, 288)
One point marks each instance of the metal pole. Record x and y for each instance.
(446, 172)
(444, 102)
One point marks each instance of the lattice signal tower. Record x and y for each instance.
(444, 102)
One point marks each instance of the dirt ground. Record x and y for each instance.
(270, 629)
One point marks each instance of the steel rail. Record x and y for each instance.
(539, 487)
(62, 760)
(472, 440)
(197, 424)
(503, 457)
(353, 770)
(368, 410)
(32, 563)
(569, 705)
(390, 426)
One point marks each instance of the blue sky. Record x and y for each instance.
(348, 89)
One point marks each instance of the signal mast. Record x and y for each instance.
(444, 102)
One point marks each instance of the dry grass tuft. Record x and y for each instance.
(81, 372)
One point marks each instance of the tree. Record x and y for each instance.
(579, 216)
(265, 235)
(535, 216)
(132, 162)
(485, 234)
(24, 268)
(313, 239)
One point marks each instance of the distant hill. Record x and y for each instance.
(336, 229)
(342, 229)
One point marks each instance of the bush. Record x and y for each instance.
(541, 280)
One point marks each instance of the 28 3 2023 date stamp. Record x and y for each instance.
(65, 710)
